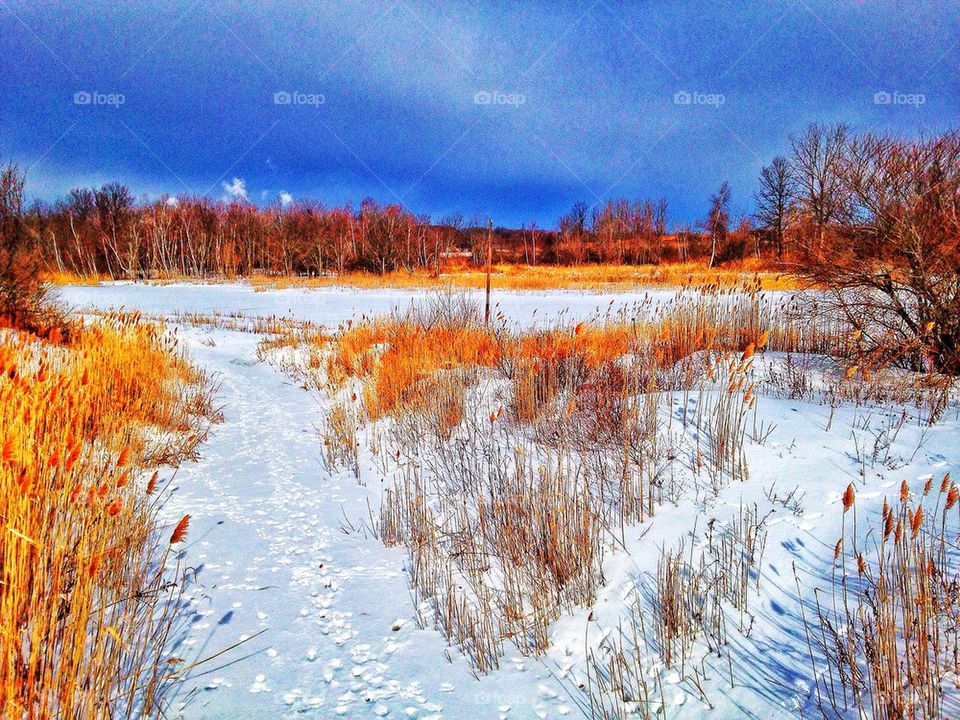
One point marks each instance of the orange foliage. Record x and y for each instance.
(593, 344)
(77, 542)
(394, 356)
(603, 278)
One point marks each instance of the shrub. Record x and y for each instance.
(23, 296)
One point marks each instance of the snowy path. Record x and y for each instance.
(266, 535)
(280, 545)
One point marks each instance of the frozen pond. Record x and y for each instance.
(333, 305)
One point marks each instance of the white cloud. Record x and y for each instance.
(285, 197)
(172, 201)
(237, 190)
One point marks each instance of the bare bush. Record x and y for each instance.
(894, 269)
(23, 296)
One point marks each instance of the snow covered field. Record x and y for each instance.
(282, 547)
(332, 306)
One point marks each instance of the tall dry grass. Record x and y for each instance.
(515, 459)
(85, 590)
(884, 642)
(516, 277)
(554, 277)
(520, 455)
(682, 616)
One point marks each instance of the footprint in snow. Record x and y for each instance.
(260, 684)
(217, 683)
(547, 693)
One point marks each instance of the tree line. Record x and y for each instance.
(106, 231)
(876, 218)
(810, 200)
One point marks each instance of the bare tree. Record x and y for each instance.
(114, 212)
(897, 278)
(532, 260)
(815, 164)
(573, 232)
(775, 200)
(450, 228)
(22, 294)
(659, 227)
(80, 209)
(718, 220)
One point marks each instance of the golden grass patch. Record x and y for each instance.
(82, 595)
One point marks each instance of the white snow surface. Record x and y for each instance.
(281, 545)
(332, 306)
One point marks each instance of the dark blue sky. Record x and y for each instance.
(601, 83)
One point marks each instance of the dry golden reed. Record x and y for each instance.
(82, 596)
(885, 643)
(519, 452)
